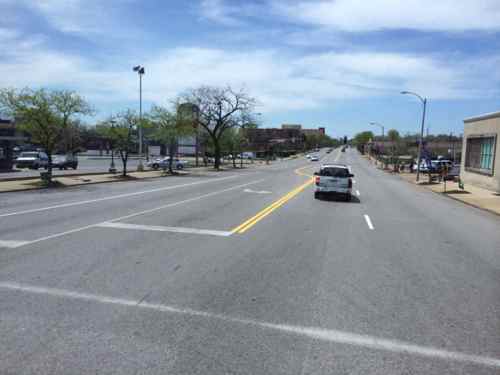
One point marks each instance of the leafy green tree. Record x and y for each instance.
(122, 133)
(363, 138)
(69, 105)
(168, 127)
(394, 138)
(45, 115)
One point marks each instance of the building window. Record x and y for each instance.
(480, 154)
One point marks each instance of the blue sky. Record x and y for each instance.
(339, 64)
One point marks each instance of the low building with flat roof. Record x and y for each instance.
(480, 151)
(9, 137)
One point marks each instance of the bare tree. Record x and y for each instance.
(219, 109)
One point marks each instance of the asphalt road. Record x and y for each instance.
(246, 273)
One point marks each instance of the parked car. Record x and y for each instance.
(32, 160)
(65, 161)
(435, 166)
(453, 173)
(333, 179)
(247, 155)
(308, 156)
(314, 158)
(163, 163)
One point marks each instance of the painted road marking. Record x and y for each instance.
(357, 193)
(300, 173)
(257, 191)
(157, 228)
(315, 333)
(12, 244)
(79, 203)
(56, 235)
(246, 225)
(369, 222)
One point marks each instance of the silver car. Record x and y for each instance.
(32, 160)
(162, 163)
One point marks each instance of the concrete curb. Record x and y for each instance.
(54, 176)
(469, 203)
(79, 184)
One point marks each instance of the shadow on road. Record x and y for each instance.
(338, 198)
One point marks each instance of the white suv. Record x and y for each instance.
(333, 179)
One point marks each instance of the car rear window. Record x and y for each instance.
(334, 172)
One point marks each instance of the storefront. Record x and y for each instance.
(481, 146)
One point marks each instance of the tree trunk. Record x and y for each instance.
(233, 156)
(124, 157)
(171, 148)
(49, 167)
(217, 152)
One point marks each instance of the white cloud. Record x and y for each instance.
(218, 11)
(278, 80)
(86, 18)
(370, 15)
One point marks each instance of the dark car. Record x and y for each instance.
(65, 161)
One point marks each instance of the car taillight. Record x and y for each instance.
(350, 183)
(316, 180)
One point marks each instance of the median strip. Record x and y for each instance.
(246, 225)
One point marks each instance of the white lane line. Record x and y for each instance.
(369, 222)
(316, 333)
(357, 193)
(157, 228)
(56, 235)
(12, 244)
(88, 201)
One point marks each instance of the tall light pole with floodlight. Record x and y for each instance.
(140, 71)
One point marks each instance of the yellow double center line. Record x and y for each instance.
(242, 228)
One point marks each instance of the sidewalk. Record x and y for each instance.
(471, 195)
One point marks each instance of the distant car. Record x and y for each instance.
(32, 160)
(308, 156)
(314, 158)
(65, 161)
(163, 163)
(333, 179)
(328, 151)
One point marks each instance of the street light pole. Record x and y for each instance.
(382, 127)
(141, 71)
(420, 143)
